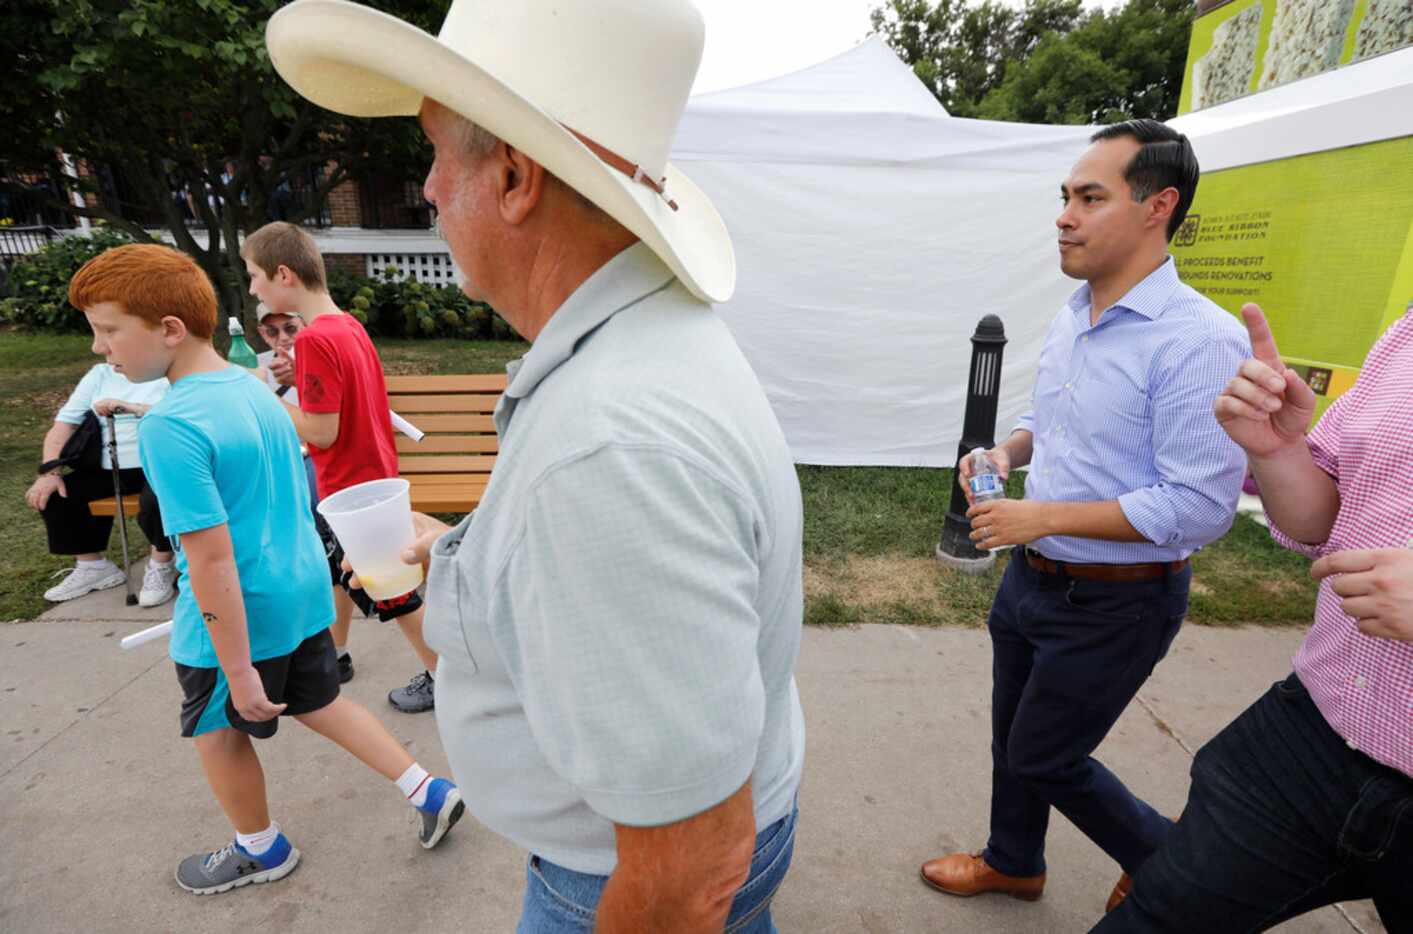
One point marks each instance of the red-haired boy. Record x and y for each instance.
(250, 632)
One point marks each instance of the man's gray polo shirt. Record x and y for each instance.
(618, 621)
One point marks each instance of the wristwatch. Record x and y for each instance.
(47, 466)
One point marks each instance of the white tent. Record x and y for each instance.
(872, 232)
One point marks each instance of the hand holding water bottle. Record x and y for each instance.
(972, 466)
(997, 523)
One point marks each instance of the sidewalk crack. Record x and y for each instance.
(1163, 725)
(92, 710)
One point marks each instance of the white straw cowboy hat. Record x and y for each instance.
(592, 90)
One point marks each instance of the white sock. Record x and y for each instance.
(257, 844)
(93, 565)
(339, 650)
(413, 785)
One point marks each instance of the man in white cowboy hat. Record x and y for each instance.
(618, 621)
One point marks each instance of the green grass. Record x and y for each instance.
(418, 357)
(869, 531)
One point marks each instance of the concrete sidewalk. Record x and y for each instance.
(99, 797)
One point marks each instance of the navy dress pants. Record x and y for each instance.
(1068, 655)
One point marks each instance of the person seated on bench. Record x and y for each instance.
(62, 499)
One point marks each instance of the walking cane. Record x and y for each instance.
(118, 495)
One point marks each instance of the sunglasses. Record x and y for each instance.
(272, 332)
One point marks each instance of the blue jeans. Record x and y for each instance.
(562, 901)
(1068, 654)
(1282, 818)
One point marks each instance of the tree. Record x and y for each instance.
(1112, 67)
(962, 52)
(1050, 62)
(173, 107)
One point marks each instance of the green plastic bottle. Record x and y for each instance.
(240, 352)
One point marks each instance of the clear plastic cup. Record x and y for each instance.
(373, 523)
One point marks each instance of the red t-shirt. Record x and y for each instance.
(337, 369)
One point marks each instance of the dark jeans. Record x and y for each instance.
(1283, 818)
(1068, 656)
(74, 531)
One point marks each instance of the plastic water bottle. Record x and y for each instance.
(240, 352)
(986, 483)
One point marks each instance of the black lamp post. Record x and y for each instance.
(978, 431)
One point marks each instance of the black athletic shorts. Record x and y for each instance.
(386, 609)
(307, 680)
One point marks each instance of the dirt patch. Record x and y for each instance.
(39, 401)
(897, 588)
(875, 580)
(1200, 589)
(1280, 587)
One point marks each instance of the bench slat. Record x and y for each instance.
(439, 464)
(460, 403)
(474, 424)
(466, 382)
(449, 444)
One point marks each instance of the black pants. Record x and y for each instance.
(74, 531)
(1282, 818)
(1068, 654)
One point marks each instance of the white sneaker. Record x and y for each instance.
(158, 583)
(85, 580)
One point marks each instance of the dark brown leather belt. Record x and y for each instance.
(1104, 572)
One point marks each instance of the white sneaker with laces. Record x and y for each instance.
(158, 583)
(80, 581)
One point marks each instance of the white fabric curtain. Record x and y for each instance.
(872, 232)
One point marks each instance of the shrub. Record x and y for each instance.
(39, 284)
(389, 305)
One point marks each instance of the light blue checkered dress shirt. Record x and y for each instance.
(1123, 410)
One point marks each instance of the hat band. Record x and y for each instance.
(631, 169)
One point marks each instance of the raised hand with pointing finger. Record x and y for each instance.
(1267, 406)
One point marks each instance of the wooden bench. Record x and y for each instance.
(449, 468)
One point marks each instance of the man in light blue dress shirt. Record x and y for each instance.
(1129, 475)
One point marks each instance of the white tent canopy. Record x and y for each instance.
(872, 232)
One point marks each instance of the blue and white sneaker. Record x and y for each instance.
(233, 866)
(442, 810)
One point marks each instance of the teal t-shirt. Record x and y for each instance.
(219, 448)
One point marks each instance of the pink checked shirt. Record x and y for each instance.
(1364, 685)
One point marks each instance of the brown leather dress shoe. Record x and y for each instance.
(1120, 892)
(967, 874)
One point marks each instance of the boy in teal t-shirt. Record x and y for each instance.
(250, 632)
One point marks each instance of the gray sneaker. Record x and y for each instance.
(441, 812)
(416, 696)
(231, 867)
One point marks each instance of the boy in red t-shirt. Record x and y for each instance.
(342, 417)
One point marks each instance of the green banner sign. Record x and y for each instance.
(1251, 45)
(1322, 242)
